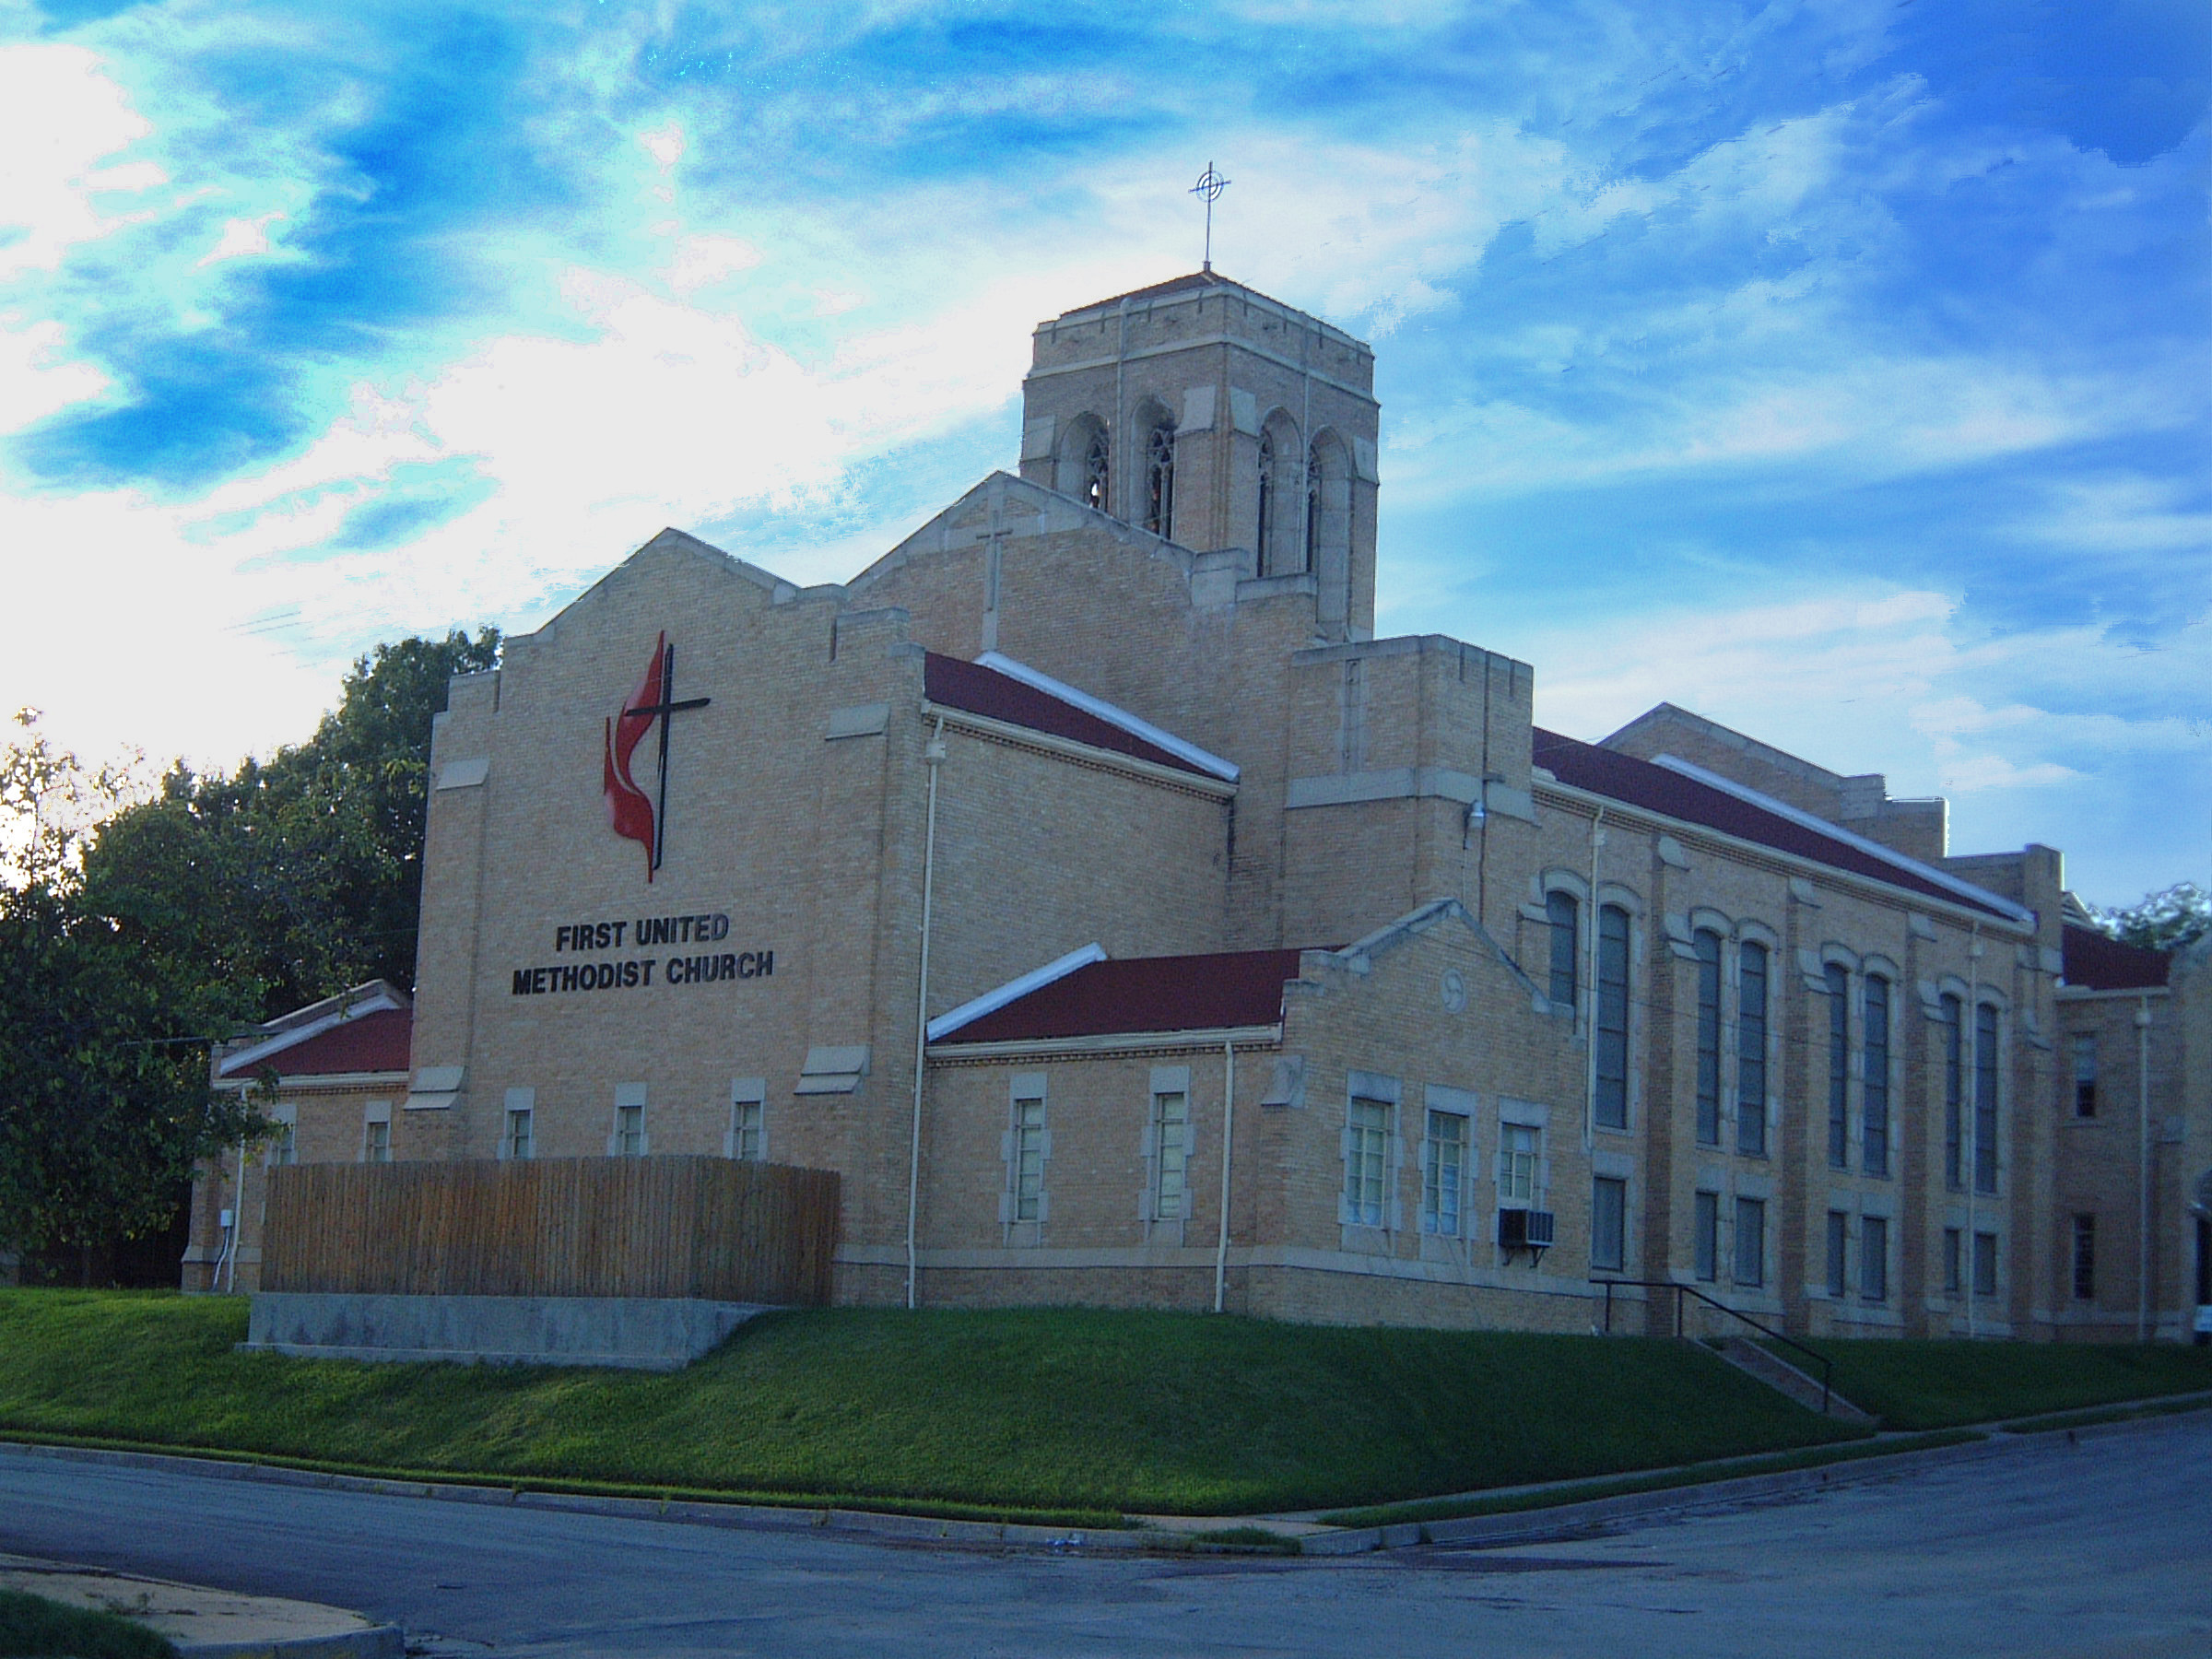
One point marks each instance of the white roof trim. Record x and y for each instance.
(1111, 715)
(375, 1002)
(1872, 849)
(990, 1002)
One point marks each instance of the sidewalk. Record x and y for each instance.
(209, 1624)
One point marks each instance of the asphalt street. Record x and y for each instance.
(2102, 1549)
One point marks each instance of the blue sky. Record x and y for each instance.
(1839, 369)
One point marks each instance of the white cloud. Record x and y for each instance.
(60, 115)
(37, 378)
(243, 239)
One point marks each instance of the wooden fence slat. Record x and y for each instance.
(646, 1226)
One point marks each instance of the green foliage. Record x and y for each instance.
(104, 1102)
(1937, 1384)
(1052, 1409)
(31, 1625)
(48, 798)
(302, 876)
(2162, 921)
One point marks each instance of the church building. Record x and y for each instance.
(1123, 923)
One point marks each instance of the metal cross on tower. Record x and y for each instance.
(1210, 185)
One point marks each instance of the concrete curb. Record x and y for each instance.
(1523, 1526)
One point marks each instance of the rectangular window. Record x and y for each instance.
(1873, 1258)
(1750, 1267)
(285, 1147)
(1985, 1098)
(1953, 1242)
(376, 1142)
(1985, 1264)
(1443, 1161)
(1705, 1236)
(2085, 1258)
(1171, 1163)
(1839, 1237)
(1608, 1224)
(1564, 915)
(629, 1131)
(749, 1123)
(521, 1140)
(1611, 1108)
(1516, 1163)
(2085, 1073)
(1839, 1067)
(1366, 1163)
(1954, 1093)
(1709, 1038)
(1876, 1151)
(1028, 1159)
(1751, 1051)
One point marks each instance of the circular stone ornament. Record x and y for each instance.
(1454, 990)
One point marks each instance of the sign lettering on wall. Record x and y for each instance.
(640, 972)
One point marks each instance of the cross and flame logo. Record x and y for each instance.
(634, 815)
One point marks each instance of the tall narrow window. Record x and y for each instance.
(1751, 1265)
(1839, 1067)
(2085, 1073)
(1708, 946)
(748, 1127)
(1564, 914)
(1985, 1098)
(1839, 1240)
(1171, 1166)
(1029, 1161)
(1985, 1264)
(285, 1149)
(1612, 1103)
(1873, 1258)
(1516, 1163)
(629, 1131)
(1954, 1093)
(1366, 1163)
(1443, 1166)
(1159, 479)
(521, 1138)
(1312, 538)
(1094, 473)
(1953, 1243)
(1876, 1151)
(2085, 1258)
(1705, 1236)
(376, 1142)
(1608, 1224)
(1751, 1051)
(1264, 551)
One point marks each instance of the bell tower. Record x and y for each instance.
(1211, 416)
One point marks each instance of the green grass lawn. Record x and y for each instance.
(31, 1625)
(1062, 1410)
(1937, 1384)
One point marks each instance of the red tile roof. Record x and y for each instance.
(1635, 783)
(985, 691)
(1145, 994)
(374, 1042)
(2103, 963)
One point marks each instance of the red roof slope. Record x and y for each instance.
(1145, 994)
(1635, 783)
(2103, 963)
(995, 696)
(375, 1042)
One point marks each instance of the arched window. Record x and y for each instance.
(1985, 1105)
(1874, 1159)
(1954, 1092)
(1751, 1051)
(1094, 473)
(1563, 913)
(1159, 479)
(1611, 1107)
(1312, 547)
(1263, 546)
(1708, 946)
(1838, 979)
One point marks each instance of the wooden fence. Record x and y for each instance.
(712, 1227)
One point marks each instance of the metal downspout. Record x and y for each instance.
(933, 758)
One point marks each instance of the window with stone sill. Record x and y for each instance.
(1516, 1163)
(1366, 1163)
(1443, 1166)
(1751, 1051)
(376, 1142)
(521, 1140)
(1171, 1163)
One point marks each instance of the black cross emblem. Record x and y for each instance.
(661, 712)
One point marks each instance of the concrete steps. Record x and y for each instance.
(1779, 1374)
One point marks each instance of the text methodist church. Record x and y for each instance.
(1121, 923)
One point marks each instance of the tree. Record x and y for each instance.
(2162, 921)
(48, 798)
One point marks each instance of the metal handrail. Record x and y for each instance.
(1681, 1290)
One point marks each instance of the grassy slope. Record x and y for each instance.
(1048, 1408)
(34, 1625)
(1937, 1384)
